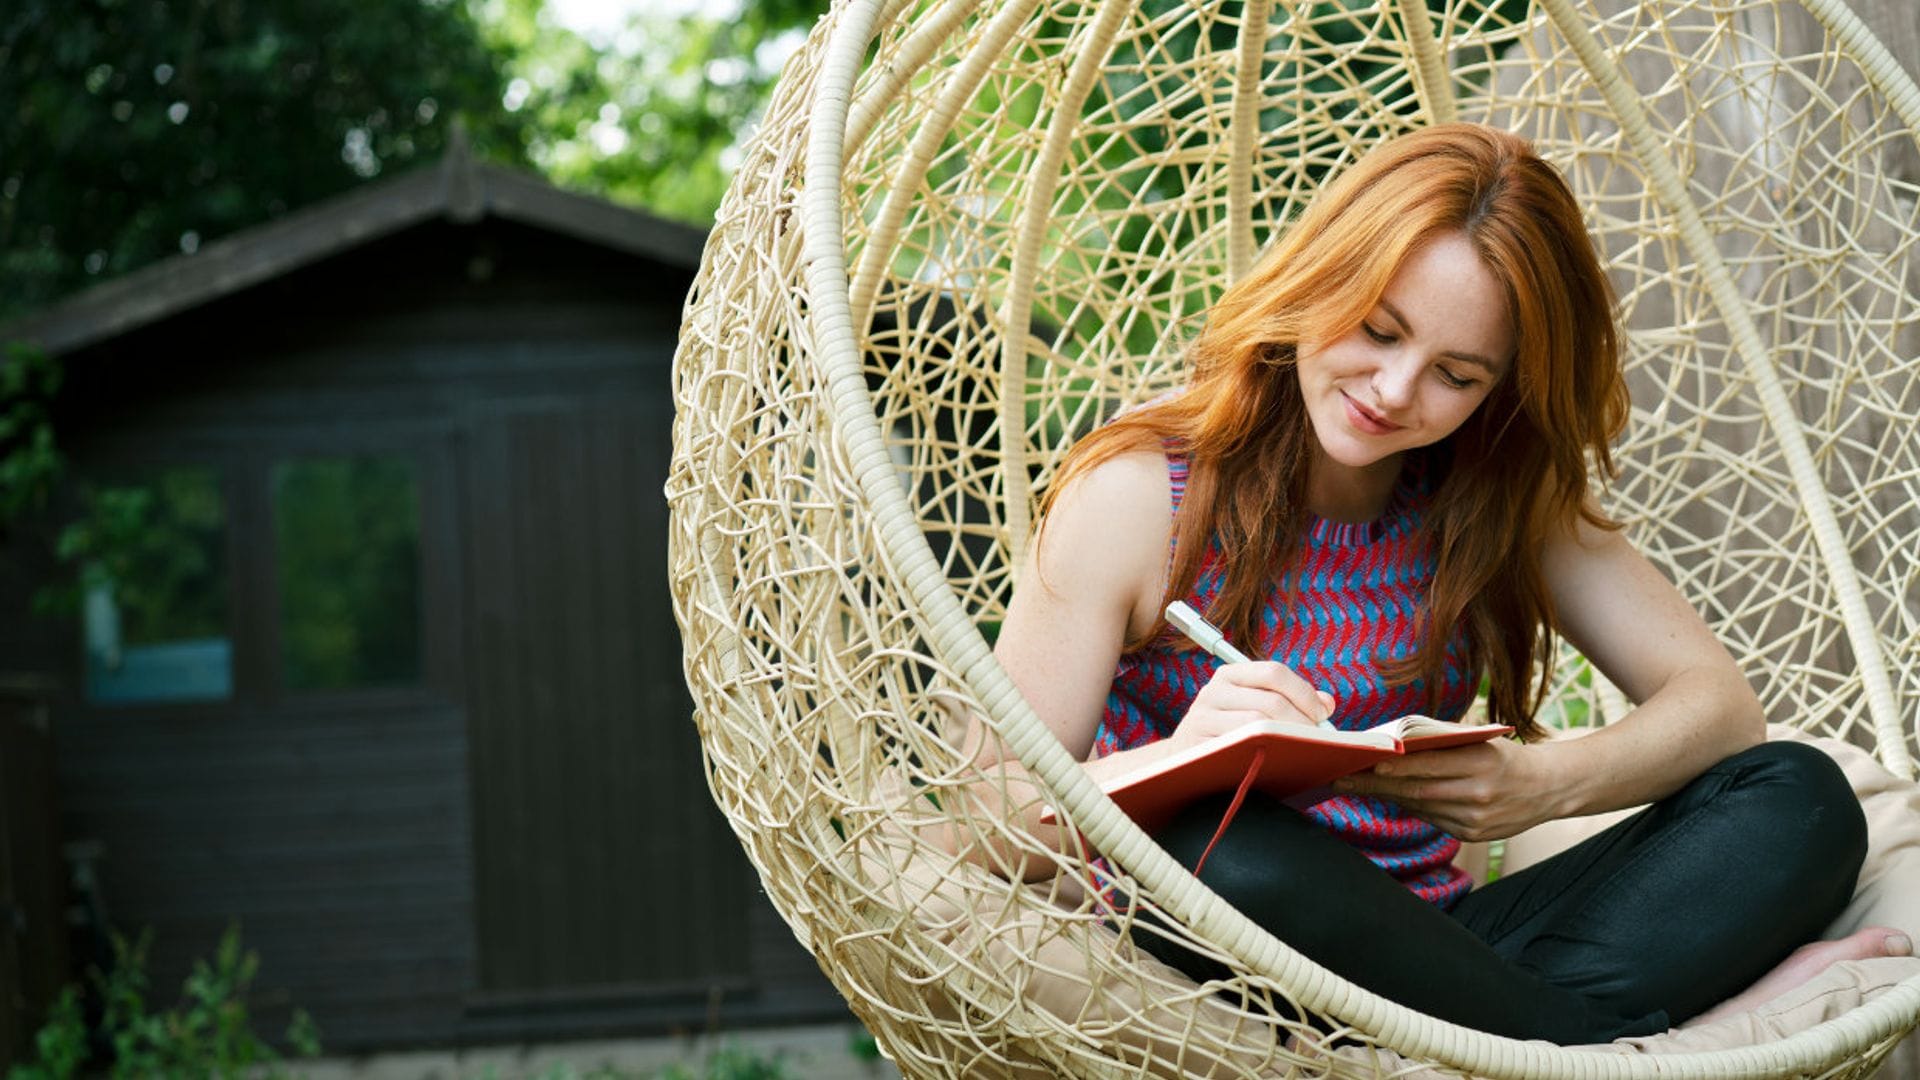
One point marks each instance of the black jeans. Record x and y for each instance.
(1638, 928)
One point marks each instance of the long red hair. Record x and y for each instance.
(1513, 472)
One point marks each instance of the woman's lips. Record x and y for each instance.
(1366, 419)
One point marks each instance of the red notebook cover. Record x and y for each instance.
(1299, 762)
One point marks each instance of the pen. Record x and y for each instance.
(1203, 633)
(1208, 636)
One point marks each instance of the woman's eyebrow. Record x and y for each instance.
(1464, 357)
(1405, 326)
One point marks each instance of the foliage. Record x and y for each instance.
(726, 1063)
(208, 1034)
(729, 1063)
(60, 1046)
(134, 129)
(864, 1046)
(30, 463)
(650, 117)
(159, 546)
(1571, 707)
(120, 534)
(347, 544)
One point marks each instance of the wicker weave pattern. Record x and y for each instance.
(971, 229)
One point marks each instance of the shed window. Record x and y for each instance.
(347, 540)
(156, 619)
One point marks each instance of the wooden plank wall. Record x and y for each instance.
(333, 838)
(520, 847)
(33, 927)
(595, 825)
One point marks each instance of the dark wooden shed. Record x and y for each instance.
(397, 687)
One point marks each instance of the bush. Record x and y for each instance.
(730, 1063)
(726, 1063)
(208, 1034)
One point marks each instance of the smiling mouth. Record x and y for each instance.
(1366, 419)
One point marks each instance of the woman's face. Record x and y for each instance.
(1414, 369)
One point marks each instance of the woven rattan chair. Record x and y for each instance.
(970, 229)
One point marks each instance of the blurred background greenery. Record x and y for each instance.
(131, 130)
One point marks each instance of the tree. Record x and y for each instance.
(135, 129)
(651, 117)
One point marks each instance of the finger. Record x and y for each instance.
(1435, 764)
(1283, 680)
(1446, 823)
(1458, 801)
(1269, 704)
(1216, 721)
(1455, 813)
(1435, 812)
(1363, 783)
(1401, 789)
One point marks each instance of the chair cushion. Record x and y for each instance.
(1888, 895)
(1128, 1006)
(1827, 996)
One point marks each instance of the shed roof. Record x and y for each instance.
(460, 189)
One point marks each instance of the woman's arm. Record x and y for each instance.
(1695, 707)
(1093, 579)
(1082, 587)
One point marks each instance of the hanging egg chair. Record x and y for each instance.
(969, 230)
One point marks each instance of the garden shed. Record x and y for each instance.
(391, 679)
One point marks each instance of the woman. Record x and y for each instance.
(1378, 476)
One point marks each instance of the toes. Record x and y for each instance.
(1873, 941)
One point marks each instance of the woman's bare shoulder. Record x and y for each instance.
(1131, 489)
(1096, 571)
(1108, 532)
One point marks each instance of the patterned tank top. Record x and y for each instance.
(1358, 589)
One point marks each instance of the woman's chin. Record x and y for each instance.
(1359, 454)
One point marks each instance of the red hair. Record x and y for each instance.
(1513, 472)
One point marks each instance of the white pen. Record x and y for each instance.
(1203, 633)
(1208, 636)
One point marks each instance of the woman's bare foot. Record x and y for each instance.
(1806, 962)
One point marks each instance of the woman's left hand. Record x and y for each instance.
(1487, 791)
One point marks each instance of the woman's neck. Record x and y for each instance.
(1348, 493)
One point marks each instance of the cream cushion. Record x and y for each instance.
(1154, 1016)
(1888, 895)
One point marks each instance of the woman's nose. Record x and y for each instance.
(1393, 381)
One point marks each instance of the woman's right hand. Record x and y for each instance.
(1245, 693)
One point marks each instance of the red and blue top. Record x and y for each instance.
(1357, 592)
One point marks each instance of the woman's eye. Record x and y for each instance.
(1380, 336)
(1458, 382)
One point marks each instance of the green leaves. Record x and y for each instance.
(208, 1034)
(133, 131)
(60, 1046)
(129, 132)
(730, 1063)
(649, 118)
(30, 464)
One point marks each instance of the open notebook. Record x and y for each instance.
(1291, 762)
